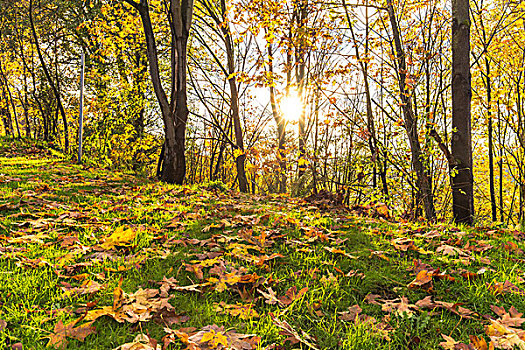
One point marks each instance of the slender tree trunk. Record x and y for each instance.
(281, 125)
(500, 166)
(301, 12)
(10, 99)
(491, 142)
(462, 178)
(370, 125)
(49, 79)
(422, 176)
(4, 111)
(234, 102)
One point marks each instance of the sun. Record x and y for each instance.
(291, 106)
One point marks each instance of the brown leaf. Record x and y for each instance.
(352, 313)
(141, 342)
(17, 346)
(404, 244)
(287, 329)
(505, 287)
(423, 280)
(371, 299)
(292, 294)
(212, 337)
(400, 305)
(58, 339)
(512, 318)
(455, 308)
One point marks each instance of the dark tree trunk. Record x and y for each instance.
(461, 148)
(49, 79)
(234, 102)
(491, 142)
(175, 110)
(4, 111)
(10, 100)
(500, 168)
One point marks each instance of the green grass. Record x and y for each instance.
(46, 200)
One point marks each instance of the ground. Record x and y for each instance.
(95, 259)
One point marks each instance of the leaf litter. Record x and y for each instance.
(247, 258)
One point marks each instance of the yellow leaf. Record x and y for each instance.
(302, 161)
(208, 336)
(237, 153)
(119, 237)
(232, 75)
(220, 339)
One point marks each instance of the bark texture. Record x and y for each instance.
(461, 147)
(175, 109)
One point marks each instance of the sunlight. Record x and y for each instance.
(291, 106)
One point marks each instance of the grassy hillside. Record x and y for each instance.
(91, 259)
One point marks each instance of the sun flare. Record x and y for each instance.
(291, 106)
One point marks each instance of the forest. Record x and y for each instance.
(262, 174)
(294, 97)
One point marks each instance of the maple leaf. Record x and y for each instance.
(505, 287)
(271, 297)
(404, 244)
(292, 294)
(87, 287)
(141, 342)
(196, 269)
(287, 329)
(119, 237)
(61, 332)
(512, 318)
(449, 343)
(455, 308)
(340, 251)
(244, 312)
(212, 337)
(400, 305)
(423, 280)
(450, 250)
(479, 343)
(352, 313)
(505, 337)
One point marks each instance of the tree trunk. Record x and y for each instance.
(491, 141)
(301, 12)
(422, 177)
(370, 125)
(49, 79)
(10, 100)
(281, 125)
(500, 168)
(234, 102)
(175, 110)
(4, 111)
(462, 178)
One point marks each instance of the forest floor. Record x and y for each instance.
(93, 259)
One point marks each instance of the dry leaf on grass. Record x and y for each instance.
(141, 342)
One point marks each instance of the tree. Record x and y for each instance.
(461, 148)
(410, 122)
(52, 84)
(175, 109)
